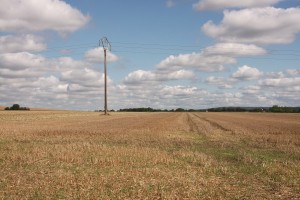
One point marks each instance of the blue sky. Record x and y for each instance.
(165, 53)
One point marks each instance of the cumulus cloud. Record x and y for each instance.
(198, 61)
(212, 58)
(20, 61)
(221, 4)
(247, 73)
(282, 89)
(53, 83)
(234, 50)
(96, 55)
(21, 43)
(159, 95)
(148, 91)
(178, 90)
(62, 64)
(176, 75)
(26, 73)
(40, 15)
(221, 82)
(252, 89)
(167, 96)
(274, 75)
(293, 72)
(85, 77)
(140, 76)
(280, 82)
(43, 91)
(257, 25)
(32, 79)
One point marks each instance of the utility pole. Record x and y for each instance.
(106, 45)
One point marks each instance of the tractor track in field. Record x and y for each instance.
(202, 125)
(214, 124)
(193, 126)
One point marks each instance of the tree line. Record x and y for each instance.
(154, 110)
(274, 108)
(16, 107)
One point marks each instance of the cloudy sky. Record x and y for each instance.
(165, 53)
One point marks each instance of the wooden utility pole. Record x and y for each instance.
(105, 85)
(106, 45)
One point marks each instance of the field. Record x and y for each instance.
(86, 155)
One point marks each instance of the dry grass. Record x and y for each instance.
(85, 155)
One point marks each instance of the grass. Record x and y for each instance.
(84, 155)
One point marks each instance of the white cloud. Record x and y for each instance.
(50, 83)
(96, 55)
(26, 73)
(212, 58)
(83, 89)
(57, 83)
(178, 90)
(221, 82)
(159, 95)
(280, 90)
(67, 63)
(293, 72)
(221, 4)
(166, 96)
(176, 75)
(139, 76)
(85, 77)
(252, 89)
(40, 15)
(247, 73)
(280, 82)
(258, 25)
(234, 50)
(274, 75)
(20, 61)
(198, 61)
(21, 43)
(43, 91)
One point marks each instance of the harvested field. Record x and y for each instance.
(85, 155)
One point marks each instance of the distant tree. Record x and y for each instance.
(179, 110)
(24, 108)
(15, 107)
(280, 109)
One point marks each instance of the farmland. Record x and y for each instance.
(86, 155)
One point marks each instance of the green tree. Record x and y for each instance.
(179, 110)
(15, 107)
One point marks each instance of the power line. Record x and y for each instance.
(193, 46)
(169, 49)
(155, 46)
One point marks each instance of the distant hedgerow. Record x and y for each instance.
(16, 107)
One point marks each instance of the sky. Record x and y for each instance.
(165, 54)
